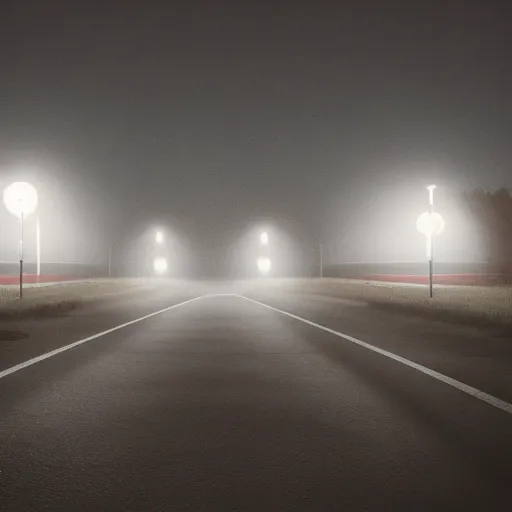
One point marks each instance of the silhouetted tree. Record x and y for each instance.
(492, 214)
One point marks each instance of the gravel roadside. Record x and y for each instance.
(64, 297)
(467, 304)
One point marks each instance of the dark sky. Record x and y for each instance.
(213, 114)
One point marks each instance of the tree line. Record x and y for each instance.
(491, 213)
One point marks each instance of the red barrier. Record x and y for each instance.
(34, 278)
(447, 279)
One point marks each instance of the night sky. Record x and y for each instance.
(211, 116)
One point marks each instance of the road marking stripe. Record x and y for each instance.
(485, 397)
(42, 357)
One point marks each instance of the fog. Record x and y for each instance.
(73, 220)
(77, 226)
(379, 225)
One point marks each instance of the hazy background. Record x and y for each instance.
(323, 120)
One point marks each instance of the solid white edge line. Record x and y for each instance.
(485, 397)
(52, 353)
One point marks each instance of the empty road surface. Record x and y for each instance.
(222, 403)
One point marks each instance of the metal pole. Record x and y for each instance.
(38, 246)
(21, 258)
(109, 258)
(431, 265)
(430, 275)
(321, 259)
(431, 246)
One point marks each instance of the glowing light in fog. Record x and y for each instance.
(431, 189)
(430, 224)
(264, 238)
(160, 265)
(159, 238)
(20, 198)
(264, 266)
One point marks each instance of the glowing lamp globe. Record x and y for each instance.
(160, 265)
(20, 198)
(430, 224)
(264, 266)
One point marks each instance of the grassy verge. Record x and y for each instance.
(482, 306)
(59, 299)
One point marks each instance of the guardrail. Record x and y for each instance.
(50, 272)
(476, 273)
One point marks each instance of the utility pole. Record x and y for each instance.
(38, 248)
(21, 256)
(431, 241)
(321, 251)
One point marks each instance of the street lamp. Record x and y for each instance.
(20, 198)
(264, 265)
(430, 224)
(159, 238)
(321, 257)
(264, 238)
(160, 266)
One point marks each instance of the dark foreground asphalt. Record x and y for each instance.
(222, 404)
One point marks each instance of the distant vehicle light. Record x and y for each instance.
(264, 266)
(160, 265)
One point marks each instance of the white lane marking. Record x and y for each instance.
(42, 357)
(485, 397)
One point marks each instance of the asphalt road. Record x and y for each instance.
(224, 404)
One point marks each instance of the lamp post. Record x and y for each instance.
(109, 259)
(160, 266)
(430, 223)
(38, 247)
(264, 266)
(431, 189)
(264, 263)
(160, 252)
(20, 198)
(321, 253)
